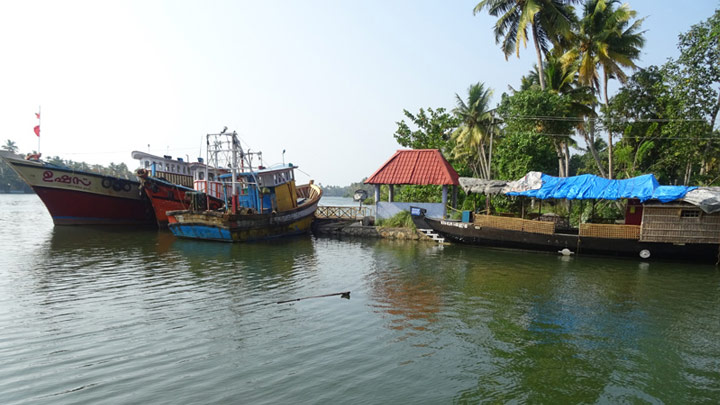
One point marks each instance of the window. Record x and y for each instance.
(147, 164)
(689, 213)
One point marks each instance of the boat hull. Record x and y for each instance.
(165, 196)
(84, 198)
(224, 227)
(469, 233)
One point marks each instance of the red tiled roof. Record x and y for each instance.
(415, 166)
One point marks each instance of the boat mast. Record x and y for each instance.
(235, 146)
(207, 171)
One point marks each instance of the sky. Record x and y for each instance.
(324, 80)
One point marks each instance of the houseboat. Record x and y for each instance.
(665, 222)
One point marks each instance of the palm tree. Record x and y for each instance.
(562, 79)
(10, 146)
(473, 138)
(547, 19)
(605, 39)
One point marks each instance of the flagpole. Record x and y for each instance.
(39, 117)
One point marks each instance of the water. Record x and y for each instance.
(98, 315)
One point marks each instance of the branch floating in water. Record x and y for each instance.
(345, 294)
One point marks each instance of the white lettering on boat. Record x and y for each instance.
(462, 225)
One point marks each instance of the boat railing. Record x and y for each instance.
(515, 224)
(338, 212)
(215, 190)
(612, 231)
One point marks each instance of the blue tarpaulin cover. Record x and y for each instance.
(588, 186)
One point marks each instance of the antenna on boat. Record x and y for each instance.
(283, 157)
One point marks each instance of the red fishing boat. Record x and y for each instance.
(166, 182)
(75, 197)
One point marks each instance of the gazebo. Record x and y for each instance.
(413, 167)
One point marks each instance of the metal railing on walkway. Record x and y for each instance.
(330, 212)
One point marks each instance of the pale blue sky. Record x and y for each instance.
(325, 80)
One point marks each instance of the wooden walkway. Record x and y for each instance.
(329, 212)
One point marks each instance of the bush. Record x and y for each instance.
(401, 220)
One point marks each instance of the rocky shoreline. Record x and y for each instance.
(357, 229)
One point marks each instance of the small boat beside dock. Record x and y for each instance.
(262, 203)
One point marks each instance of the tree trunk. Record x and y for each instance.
(541, 72)
(559, 153)
(590, 141)
(688, 172)
(567, 158)
(607, 111)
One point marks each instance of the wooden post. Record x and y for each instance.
(522, 207)
(444, 199)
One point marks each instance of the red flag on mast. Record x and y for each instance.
(37, 130)
(37, 114)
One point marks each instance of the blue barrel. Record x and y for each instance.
(466, 216)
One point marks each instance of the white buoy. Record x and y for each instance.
(644, 253)
(566, 252)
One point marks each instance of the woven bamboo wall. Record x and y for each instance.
(515, 224)
(668, 224)
(610, 231)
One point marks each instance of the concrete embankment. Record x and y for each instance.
(356, 229)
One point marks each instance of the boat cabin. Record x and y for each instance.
(176, 171)
(266, 190)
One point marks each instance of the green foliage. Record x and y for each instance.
(433, 129)
(348, 191)
(527, 144)
(411, 193)
(402, 219)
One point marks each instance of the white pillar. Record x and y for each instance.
(377, 200)
(444, 200)
(391, 193)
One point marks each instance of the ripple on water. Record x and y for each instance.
(96, 315)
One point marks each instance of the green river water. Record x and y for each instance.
(104, 315)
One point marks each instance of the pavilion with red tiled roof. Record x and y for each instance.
(416, 167)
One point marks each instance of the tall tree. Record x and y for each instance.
(529, 136)
(433, 129)
(696, 80)
(546, 19)
(10, 146)
(605, 40)
(477, 125)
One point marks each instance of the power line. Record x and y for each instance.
(636, 137)
(603, 119)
